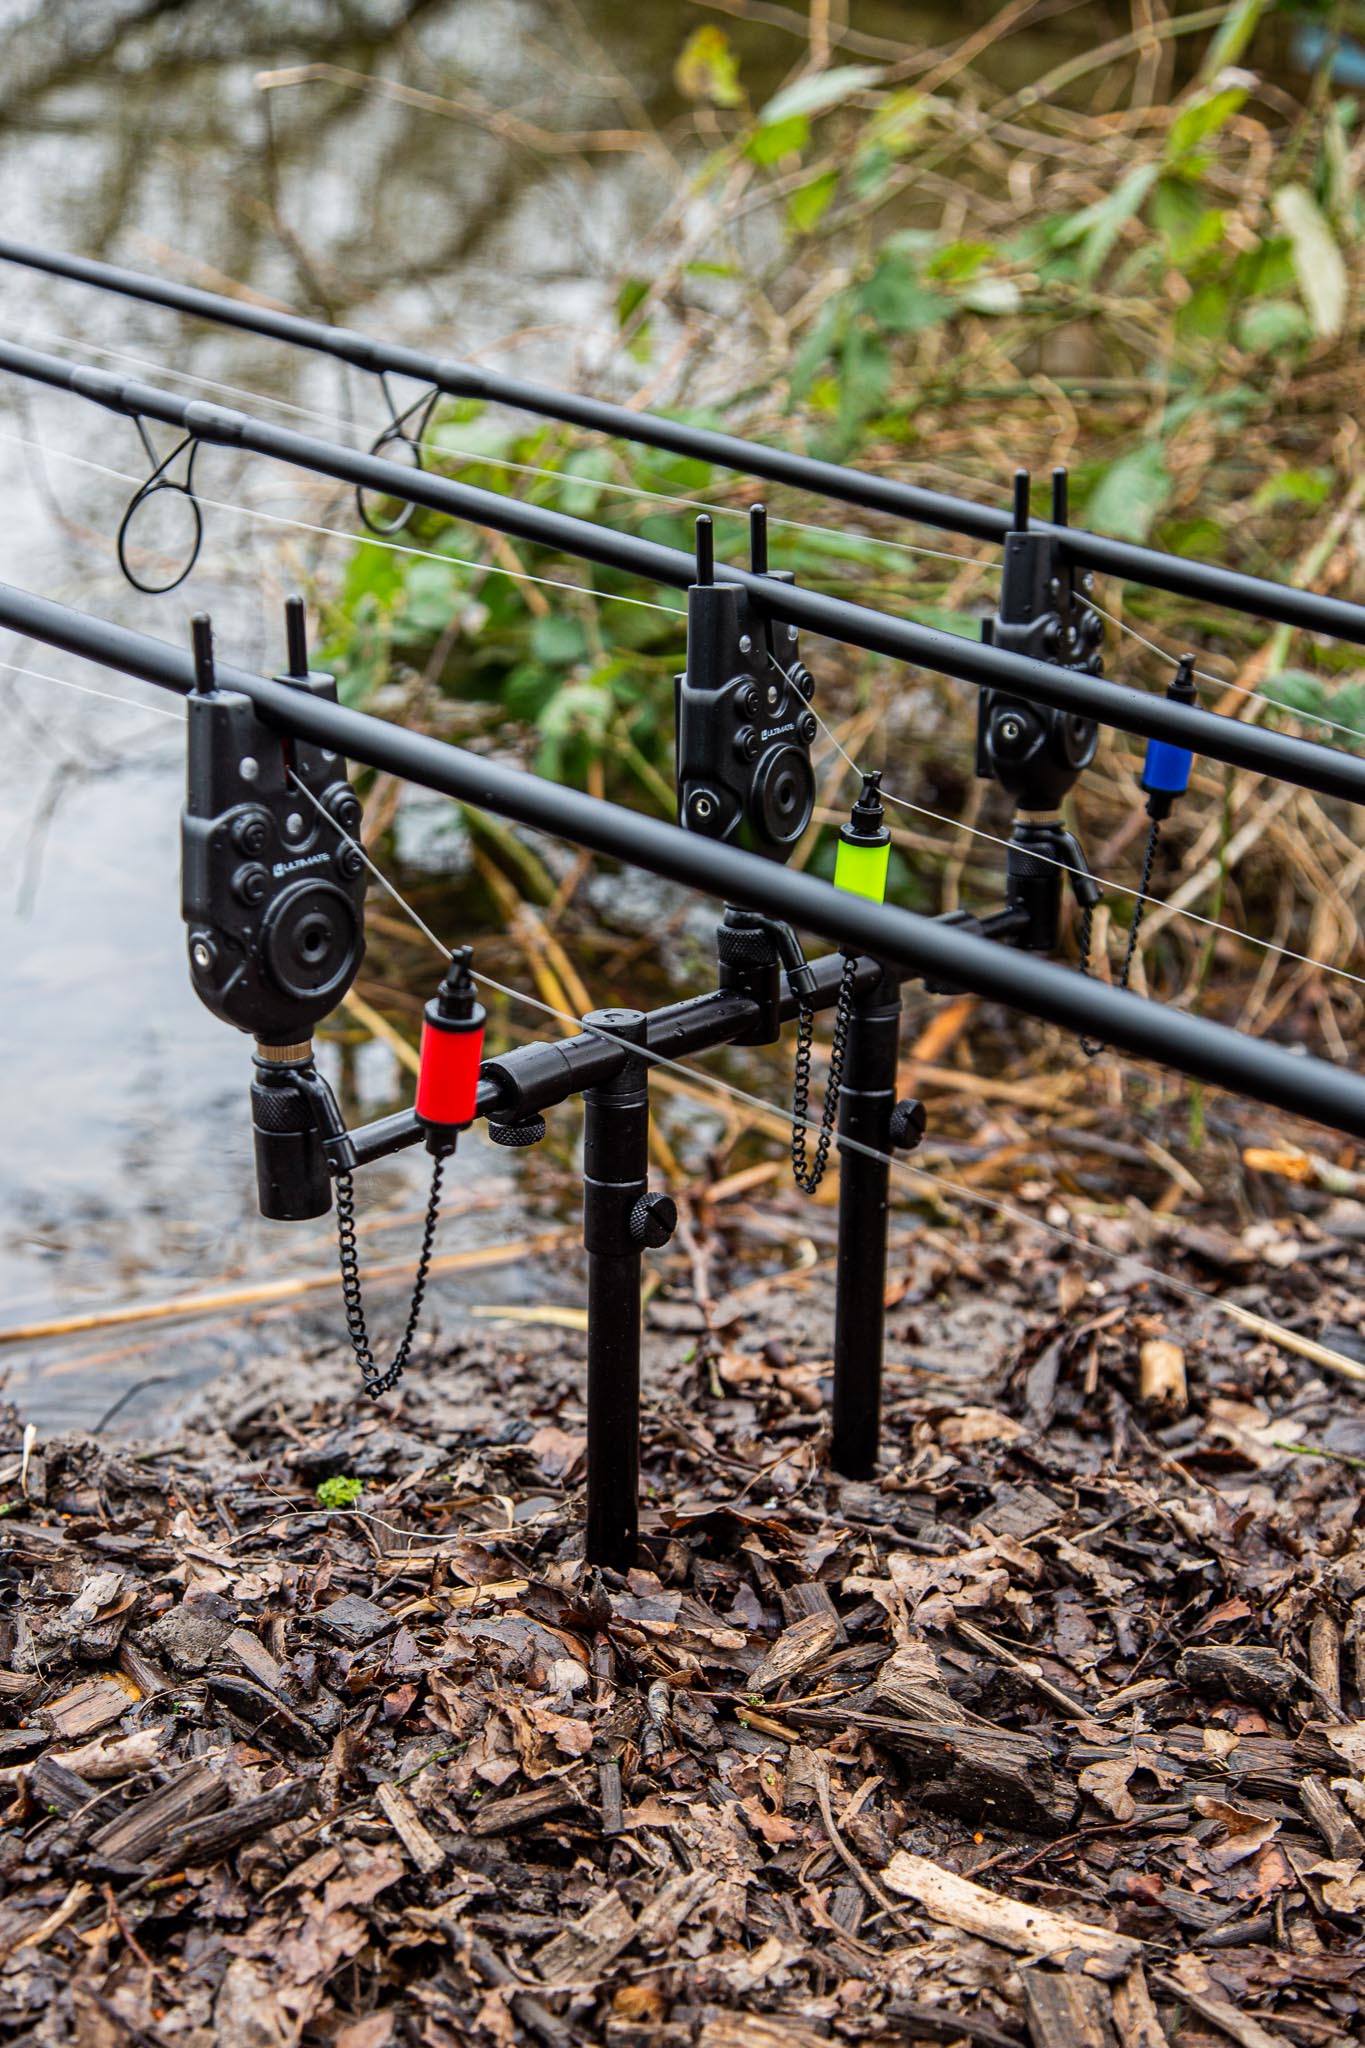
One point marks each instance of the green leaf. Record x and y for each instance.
(897, 121)
(780, 138)
(819, 91)
(1232, 38)
(899, 302)
(871, 170)
(1274, 325)
(1205, 314)
(809, 203)
(1296, 690)
(1130, 494)
(1265, 271)
(864, 382)
(558, 639)
(1203, 118)
(957, 261)
(708, 69)
(340, 1491)
(1198, 537)
(585, 471)
(815, 350)
(1293, 487)
(1189, 228)
(1098, 227)
(630, 298)
(472, 438)
(431, 597)
(372, 572)
(1318, 264)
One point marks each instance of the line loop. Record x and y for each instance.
(161, 483)
(402, 434)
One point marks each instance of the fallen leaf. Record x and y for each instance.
(1244, 1832)
(1107, 1782)
(978, 1426)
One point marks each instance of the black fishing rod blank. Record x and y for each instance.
(1206, 582)
(237, 719)
(916, 945)
(1303, 762)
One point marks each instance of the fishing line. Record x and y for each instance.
(356, 539)
(1230, 931)
(918, 1175)
(903, 803)
(122, 355)
(1320, 719)
(554, 583)
(698, 1076)
(476, 456)
(84, 690)
(1220, 682)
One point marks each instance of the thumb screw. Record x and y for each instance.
(909, 1121)
(653, 1220)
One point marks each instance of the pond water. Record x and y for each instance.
(139, 132)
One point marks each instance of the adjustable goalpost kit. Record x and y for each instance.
(274, 877)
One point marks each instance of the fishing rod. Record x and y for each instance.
(1260, 597)
(914, 944)
(273, 885)
(1180, 724)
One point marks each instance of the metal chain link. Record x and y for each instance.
(1092, 1047)
(808, 1173)
(379, 1382)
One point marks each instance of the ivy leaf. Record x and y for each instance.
(819, 92)
(1318, 264)
(1129, 495)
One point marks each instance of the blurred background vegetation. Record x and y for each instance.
(941, 259)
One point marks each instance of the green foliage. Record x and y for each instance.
(340, 1491)
(1182, 263)
(818, 92)
(1312, 697)
(1318, 264)
(707, 69)
(1130, 494)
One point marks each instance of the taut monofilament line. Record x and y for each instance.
(1069, 691)
(1257, 596)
